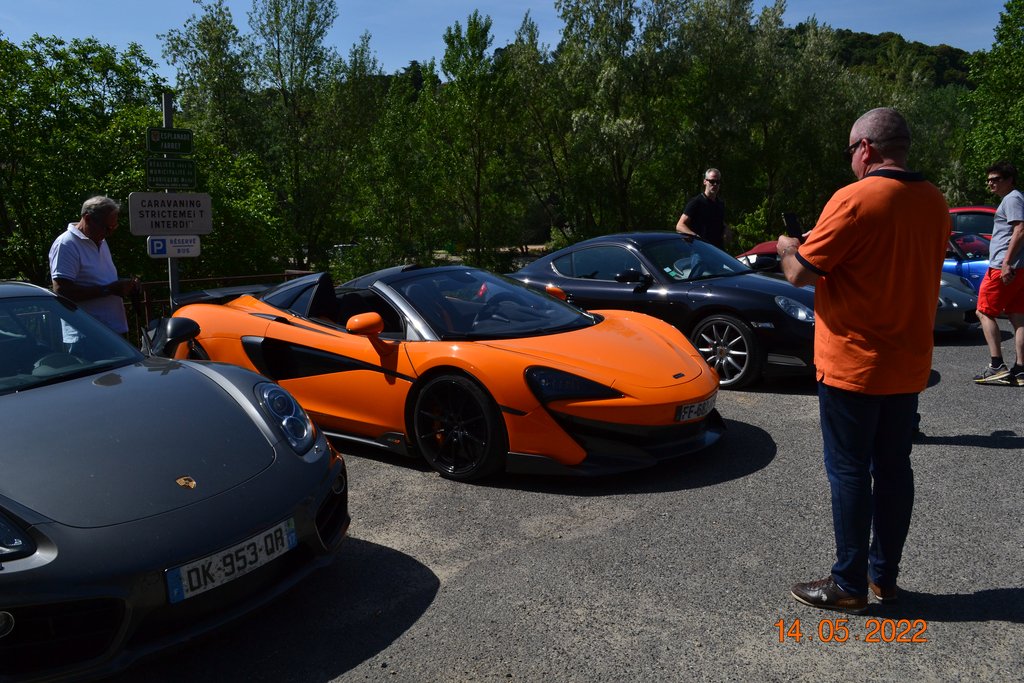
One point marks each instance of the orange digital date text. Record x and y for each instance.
(839, 631)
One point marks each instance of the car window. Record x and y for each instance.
(973, 247)
(563, 265)
(973, 222)
(45, 339)
(682, 259)
(603, 262)
(467, 303)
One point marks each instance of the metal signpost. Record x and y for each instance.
(172, 222)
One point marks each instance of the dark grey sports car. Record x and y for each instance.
(143, 500)
(745, 325)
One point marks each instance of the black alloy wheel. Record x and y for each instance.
(458, 429)
(728, 345)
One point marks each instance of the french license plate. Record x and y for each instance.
(694, 411)
(223, 566)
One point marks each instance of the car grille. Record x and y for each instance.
(221, 604)
(658, 442)
(58, 635)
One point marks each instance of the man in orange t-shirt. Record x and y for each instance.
(874, 257)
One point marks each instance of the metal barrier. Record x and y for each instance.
(148, 305)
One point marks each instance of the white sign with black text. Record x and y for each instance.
(170, 213)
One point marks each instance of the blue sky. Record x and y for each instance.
(404, 30)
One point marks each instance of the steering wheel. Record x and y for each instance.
(490, 308)
(52, 362)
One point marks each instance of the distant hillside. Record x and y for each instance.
(943, 64)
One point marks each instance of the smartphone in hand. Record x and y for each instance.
(793, 227)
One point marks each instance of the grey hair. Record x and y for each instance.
(99, 206)
(887, 130)
(709, 171)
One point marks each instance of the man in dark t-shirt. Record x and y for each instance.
(704, 215)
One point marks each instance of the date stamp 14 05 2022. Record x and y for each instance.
(839, 630)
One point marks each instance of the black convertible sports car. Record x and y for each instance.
(143, 500)
(744, 324)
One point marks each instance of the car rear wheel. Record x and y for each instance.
(458, 429)
(729, 346)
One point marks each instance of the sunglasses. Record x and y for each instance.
(713, 181)
(993, 179)
(850, 149)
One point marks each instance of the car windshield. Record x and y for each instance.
(682, 259)
(467, 303)
(45, 340)
(969, 246)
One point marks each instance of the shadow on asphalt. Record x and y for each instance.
(965, 338)
(1002, 440)
(334, 620)
(743, 450)
(996, 604)
(805, 385)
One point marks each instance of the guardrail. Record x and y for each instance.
(154, 299)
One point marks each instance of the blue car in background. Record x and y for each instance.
(967, 257)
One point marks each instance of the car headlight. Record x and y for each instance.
(548, 384)
(287, 415)
(14, 542)
(795, 309)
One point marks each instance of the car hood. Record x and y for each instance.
(653, 360)
(108, 448)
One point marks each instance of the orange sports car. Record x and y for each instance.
(473, 371)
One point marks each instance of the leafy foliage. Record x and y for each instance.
(317, 160)
(997, 128)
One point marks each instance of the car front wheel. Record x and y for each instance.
(458, 429)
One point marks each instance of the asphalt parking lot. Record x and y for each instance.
(681, 572)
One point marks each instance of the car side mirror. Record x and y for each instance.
(370, 325)
(169, 333)
(365, 324)
(634, 276)
(763, 263)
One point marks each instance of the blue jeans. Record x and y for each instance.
(868, 440)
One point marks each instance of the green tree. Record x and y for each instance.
(471, 133)
(595, 117)
(997, 128)
(295, 70)
(402, 213)
(216, 77)
(73, 117)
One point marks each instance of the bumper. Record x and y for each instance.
(612, 449)
(101, 602)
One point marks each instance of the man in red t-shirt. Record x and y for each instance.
(874, 257)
